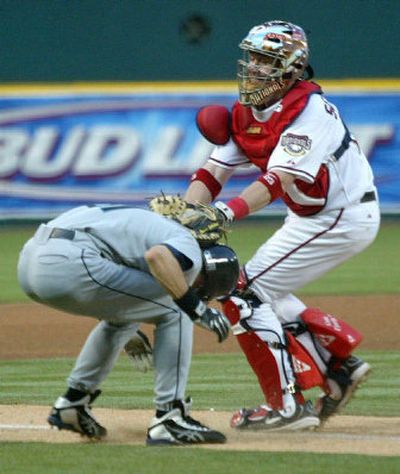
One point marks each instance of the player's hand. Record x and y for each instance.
(140, 352)
(215, 321)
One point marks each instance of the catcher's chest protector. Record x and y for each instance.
(258, 139)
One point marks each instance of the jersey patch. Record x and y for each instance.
(296, 145)
(254, 130)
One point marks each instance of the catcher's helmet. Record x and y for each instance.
(220, 272)
(275, 55)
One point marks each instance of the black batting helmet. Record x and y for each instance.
(220, 272)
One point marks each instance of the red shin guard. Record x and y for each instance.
(305, 369)
(260, 358)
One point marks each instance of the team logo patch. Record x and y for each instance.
(325, 340)
(254, 130)
(299, 366)
(296, 145)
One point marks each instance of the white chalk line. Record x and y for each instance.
(355, 437)
(24, 427)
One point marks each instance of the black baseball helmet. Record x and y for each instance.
(220, 272)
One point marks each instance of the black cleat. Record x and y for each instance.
(77, 416)
(345, 379)
(176, 427)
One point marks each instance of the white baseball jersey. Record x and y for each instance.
(309, 142)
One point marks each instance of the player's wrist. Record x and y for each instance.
(191, 304)
(235, 209)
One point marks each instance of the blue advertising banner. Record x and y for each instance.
(59, 150)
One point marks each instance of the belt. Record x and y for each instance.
(106, 250)
(368, 197)
(58, 233)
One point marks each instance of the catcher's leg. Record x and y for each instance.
(263, 341)
(345, 372)
(330, 342)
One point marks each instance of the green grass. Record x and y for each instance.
(36, 458)
(374, 271)
(222, 382)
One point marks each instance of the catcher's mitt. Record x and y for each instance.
(168, 205)
(206, 223)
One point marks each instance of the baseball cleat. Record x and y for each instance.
(344, 381)
(77, 417)
(176, 427)
(263, 418)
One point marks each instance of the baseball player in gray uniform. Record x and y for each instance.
(125, 266)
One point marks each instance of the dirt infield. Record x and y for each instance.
(344, 434)
(376, 317)
(28, 331)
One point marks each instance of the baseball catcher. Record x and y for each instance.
(281, 124)
(206, 223)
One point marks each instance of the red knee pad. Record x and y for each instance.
(334, 334)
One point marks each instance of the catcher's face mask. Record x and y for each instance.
(275, 55)
(220, 272)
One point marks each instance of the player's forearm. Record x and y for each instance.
(166, 270)
(253, 198)
(197, 191)
(266, 189)
(259, 194)
(256, 196)
(206, 183)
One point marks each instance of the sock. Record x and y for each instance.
(74, 395)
